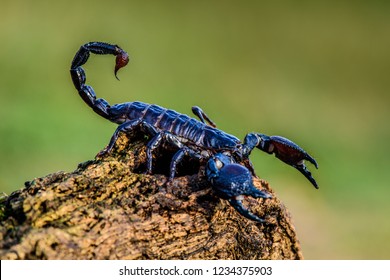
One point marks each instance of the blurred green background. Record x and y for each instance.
(316, 72)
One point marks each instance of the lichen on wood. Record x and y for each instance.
(109, 209)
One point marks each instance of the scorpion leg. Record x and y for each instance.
(154, 144)
(157, 138)
(178, 157)
(202, 116)
(284, 149)
(150, 147)
(77, 73)
(171, 139)
(128, 127)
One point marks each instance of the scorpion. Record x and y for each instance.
(228, 168)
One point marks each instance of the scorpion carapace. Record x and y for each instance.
(228, 168)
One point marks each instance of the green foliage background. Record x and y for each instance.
(316, 72)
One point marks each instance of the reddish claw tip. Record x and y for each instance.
(122, 58)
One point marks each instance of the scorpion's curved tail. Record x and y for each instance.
(77, 73)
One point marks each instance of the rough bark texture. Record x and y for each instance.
(108, 209)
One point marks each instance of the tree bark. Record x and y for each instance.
(108, 209)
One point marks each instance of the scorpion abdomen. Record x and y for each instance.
(173, 122)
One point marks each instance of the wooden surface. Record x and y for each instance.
(109, 209)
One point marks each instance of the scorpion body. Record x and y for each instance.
(228, 168)
(188, 129)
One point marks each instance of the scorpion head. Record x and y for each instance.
(231, 181)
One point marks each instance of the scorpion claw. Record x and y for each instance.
(301, 167)
(231, 181)
(288, 152)
(237, 204)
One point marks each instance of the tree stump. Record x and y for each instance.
(108, 209)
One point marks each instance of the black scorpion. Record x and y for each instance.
(228, 168)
